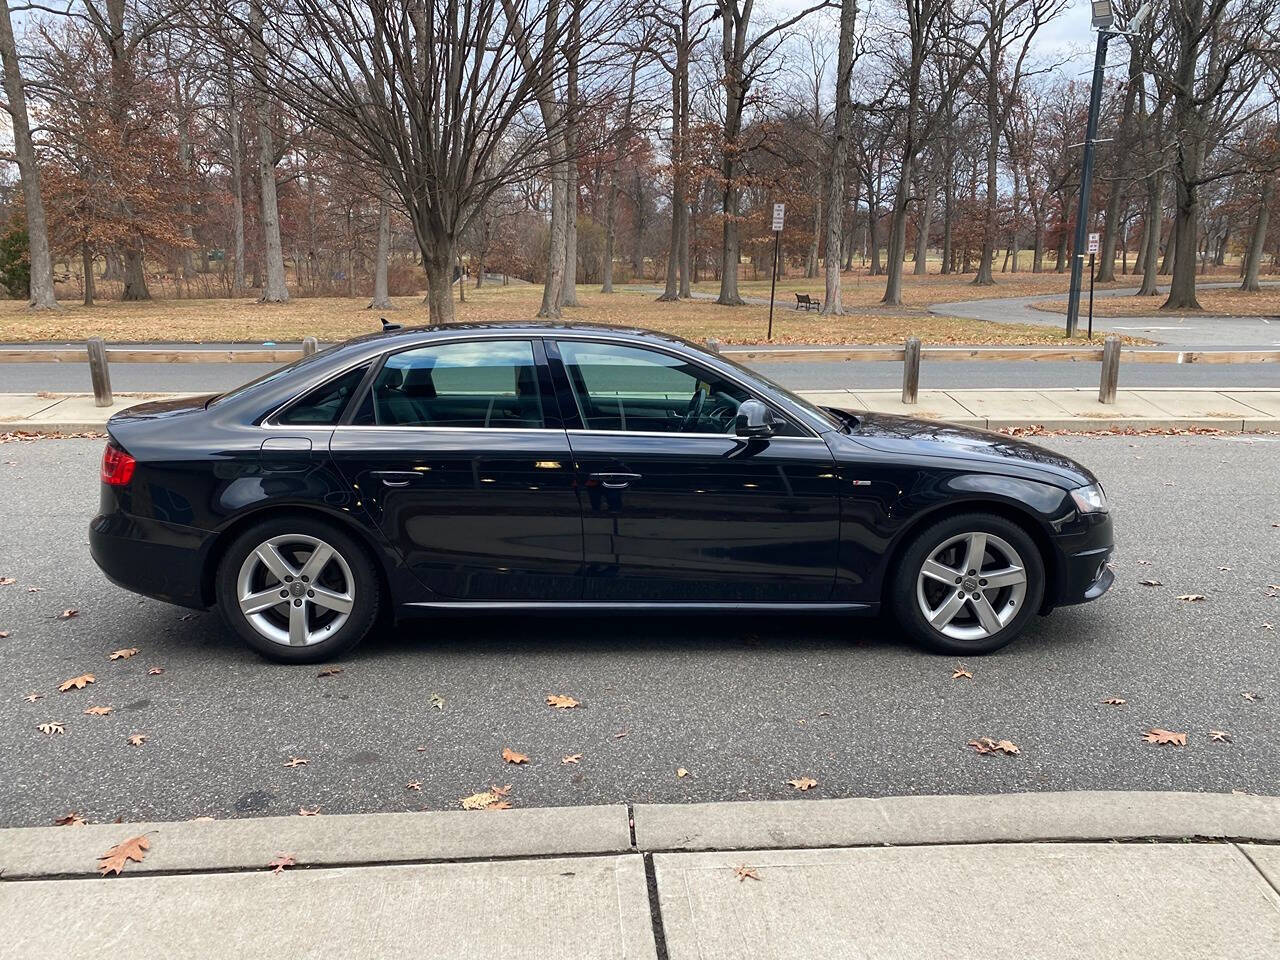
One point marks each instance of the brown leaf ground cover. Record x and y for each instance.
(335, 318)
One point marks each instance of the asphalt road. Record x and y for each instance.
(808, 375)
(743, 704)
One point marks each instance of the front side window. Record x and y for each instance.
(484, 383)
(638, 390)
(324, 405)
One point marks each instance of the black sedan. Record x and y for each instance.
(565, 467)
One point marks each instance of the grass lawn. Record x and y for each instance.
(1216, 302)
(333, 318)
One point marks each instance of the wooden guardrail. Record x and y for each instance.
(911, 354)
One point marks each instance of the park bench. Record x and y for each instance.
(807, 302)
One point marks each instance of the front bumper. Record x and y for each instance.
(1084, 568)
(151, 557)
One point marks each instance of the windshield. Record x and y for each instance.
(798, 400)
(265, 378)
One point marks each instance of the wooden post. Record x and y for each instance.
(910, 370)
(98, 372)
(309, 346)
(1110, 369)
(713, 344)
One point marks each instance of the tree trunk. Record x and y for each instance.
(1182, 286)
(922, 231)
(897, 247)
(811, 262)
(439, 266)
(1253, 256)
(833, 304)
(553, 286)
(90, 286)
(273, 289)
(135, 276)
(42, 294)
(983, 278)
(729, 254)
(238, 286)
(611, 203)
(380, 299)
(678, 206)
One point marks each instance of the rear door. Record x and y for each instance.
(458, 453)
(677, 507)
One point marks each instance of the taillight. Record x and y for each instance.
(117, 466)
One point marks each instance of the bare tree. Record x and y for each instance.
(42, 295)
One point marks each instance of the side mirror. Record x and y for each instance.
(754, 419)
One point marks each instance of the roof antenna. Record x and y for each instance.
(388, 327)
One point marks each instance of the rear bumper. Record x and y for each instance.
(151, 557)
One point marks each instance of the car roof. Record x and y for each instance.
(520, 328)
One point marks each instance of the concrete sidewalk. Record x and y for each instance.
(1234, 410)
(1021, 875)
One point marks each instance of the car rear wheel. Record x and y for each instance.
(298, 590)
(968, 584)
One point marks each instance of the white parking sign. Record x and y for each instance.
(779, 212)
(1093, 242)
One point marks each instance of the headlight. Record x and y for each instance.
(1090, 499)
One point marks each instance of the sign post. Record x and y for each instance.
(779, 214)
(1093, 253)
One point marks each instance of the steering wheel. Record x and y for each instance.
(694, 411)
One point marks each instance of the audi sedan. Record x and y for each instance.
(527, 467)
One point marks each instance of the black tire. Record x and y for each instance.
(351, 560)
(904, 599)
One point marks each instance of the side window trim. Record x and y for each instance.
(582, 426)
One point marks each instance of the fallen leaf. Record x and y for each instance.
(1156, 735)
(98, 711)
(803, 783)
(123, 654)
(70, 820)
(413, 785)
(681, 772)
(113, 861)
(500, 805)
(329, 672)
(296, 761)
(511, 756)
(138, 739)
(988, 745)
(33, 697)
(1151, 583)
(1220, 736)
(500, 791)
(745, 873)
(4, 634)
(1224, 569)
(1268, 626)
(437, 701)
(572, 758)
(281, 861)
(68, 613)
(50, 728)
(622, 733)
(155, 671)
(1115, 701)
(481, 801)
(1144, 563)
(1251, 696)
(34, 589)
(78, 683)
(7, 581)
(1192, 597)
(561, 702)
(961, 672)
(313, 812)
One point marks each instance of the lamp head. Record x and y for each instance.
(1104, 15)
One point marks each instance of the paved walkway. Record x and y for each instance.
(1020, 875)
(1243, 409)
(1162, 328)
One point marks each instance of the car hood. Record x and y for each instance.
(907, 436)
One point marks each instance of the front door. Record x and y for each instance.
(676, 507)
(464, 464)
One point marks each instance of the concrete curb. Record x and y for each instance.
(322, 841)
(33, 853)
(1017, 817)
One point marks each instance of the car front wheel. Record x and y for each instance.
(968, 584)
(298, 590)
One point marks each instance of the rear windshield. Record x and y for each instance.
(267, 378)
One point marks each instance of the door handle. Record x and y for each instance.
(615, 481)
(395, 478)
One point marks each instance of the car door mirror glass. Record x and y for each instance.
(754, 419)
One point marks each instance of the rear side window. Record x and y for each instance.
(323, 406)
(485, 383)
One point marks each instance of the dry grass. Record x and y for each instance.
(338, 318)
(1216, 302)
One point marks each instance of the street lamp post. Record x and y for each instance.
(1103, 19)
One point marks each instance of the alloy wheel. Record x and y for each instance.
(295, 590)
(971, 586)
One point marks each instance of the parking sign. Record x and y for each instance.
(1093, 242)
(779, 212)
